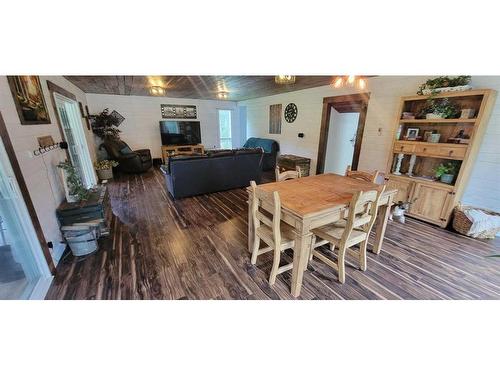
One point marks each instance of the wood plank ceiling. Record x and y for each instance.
(195, 87)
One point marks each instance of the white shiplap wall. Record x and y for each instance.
(483, 187)
(140, 129)
(40, 172)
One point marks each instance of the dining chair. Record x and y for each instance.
(278, 236)
(361, 217)
(286, 175)
(361, 175)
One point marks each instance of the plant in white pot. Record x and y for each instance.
(73, 187)
(444, 84)
(446, 172)
(104, 169)
(441, 109)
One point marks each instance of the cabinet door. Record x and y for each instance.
(403, 187)
(430, 203)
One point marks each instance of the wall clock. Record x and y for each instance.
(291, 112)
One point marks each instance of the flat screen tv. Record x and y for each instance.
(180, 132)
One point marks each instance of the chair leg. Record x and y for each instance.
(341, 264)
(255, 250)
(276, 265)
(362, 255)
(313, 241)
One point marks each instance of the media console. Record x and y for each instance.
(167, 151)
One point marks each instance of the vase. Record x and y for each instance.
(447, 178)
(105, 174)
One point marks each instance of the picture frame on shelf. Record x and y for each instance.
(412, 134)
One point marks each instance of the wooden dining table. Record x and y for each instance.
(314, 201)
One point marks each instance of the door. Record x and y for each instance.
(68, 112)
(341, 141)
(430, 202)
(22, 265)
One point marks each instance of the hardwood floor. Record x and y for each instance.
(196, 248)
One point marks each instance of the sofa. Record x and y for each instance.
(270, 147)
(186, 176)
(137, 161)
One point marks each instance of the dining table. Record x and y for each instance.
(311, 202)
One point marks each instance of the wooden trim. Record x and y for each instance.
(54, 88)
(343, 103)
(25, 193)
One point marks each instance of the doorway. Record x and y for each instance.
(72, 128)
(24, 264)
(341, 134)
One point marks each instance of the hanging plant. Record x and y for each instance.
(105, 125)
(74, 182)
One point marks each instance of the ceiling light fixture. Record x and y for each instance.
(284, 80)
(157, 91)
(349, 81)
(222, 94)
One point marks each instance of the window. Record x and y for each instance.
(226, 140)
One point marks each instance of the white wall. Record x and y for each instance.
(40, 172)
(339, 148)
(386, 91)
(143, 113)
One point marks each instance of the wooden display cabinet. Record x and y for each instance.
(432, 200)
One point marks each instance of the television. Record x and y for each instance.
(180, 132)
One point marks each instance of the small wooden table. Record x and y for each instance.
(314, 201)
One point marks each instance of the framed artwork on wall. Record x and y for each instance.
(29, 100)
(275, 119)
(178, 111)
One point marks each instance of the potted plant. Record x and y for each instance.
(104, 169)
(441, 109)
(446, 172)
(73, 187)
(104, 125)
(444, 84)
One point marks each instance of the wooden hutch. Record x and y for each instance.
(432, 200)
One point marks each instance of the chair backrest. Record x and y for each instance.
(286, 175)
(361, 175)
(272, 201)
(362, 212)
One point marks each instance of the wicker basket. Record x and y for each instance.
(462, 224)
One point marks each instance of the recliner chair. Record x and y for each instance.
(137, 161)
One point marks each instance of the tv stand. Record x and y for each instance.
(167, 151)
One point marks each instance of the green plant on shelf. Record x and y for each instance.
(443, 108)
(448, 168)
(443, 81)
(74, 182)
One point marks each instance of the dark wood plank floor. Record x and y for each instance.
(196, 248)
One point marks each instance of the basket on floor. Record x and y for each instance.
(462, 224)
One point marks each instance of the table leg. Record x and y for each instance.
(300, 259)
(382, 217)
(250, 225)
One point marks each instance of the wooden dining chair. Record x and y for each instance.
(286, 175)
(361, 175)
(276, 235)
(361, 217)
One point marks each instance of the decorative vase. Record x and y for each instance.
(434, 138)
(447, 178)
(105, 174)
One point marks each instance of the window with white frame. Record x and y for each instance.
(225, 138)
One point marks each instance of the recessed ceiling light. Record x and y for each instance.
(157, 90)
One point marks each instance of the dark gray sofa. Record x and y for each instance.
(186, 176)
